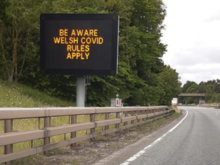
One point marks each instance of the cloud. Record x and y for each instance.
(212, 19)
(199, 73)
(197, 55)
(193, 37)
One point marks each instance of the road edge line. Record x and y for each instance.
(134, 157)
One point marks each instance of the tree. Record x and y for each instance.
(209, 95)
(17, 28)
(170, 85)
(193, 88)
(140, 50)
(202, 86)
(189, 87)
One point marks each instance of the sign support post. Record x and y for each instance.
(80, 92)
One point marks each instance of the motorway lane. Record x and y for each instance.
(196, 141)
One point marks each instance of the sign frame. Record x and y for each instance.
(80, 17)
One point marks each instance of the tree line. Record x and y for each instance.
(211, 89)
(142, 79)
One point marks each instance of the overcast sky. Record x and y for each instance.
(192, 33)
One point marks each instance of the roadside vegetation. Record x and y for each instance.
(18, 95)
(142, 79)
(211, 89)
(23, 96)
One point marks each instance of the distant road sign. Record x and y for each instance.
(117, 102)
(174, 101)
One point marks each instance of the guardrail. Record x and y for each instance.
(134, 115)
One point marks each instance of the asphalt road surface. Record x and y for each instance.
(192, 140)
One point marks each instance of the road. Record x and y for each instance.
(192, 140)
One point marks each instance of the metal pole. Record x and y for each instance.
(80, 92)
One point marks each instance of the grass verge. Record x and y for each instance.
(18, 95)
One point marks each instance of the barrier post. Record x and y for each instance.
(8, 127)
(73, 119)
(92, 130)
(46, 139)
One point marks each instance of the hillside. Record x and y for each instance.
(17, 95)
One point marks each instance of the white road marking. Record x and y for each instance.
(131, 159)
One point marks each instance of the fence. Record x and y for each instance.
(124, 118)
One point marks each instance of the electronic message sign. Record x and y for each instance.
(79, 44)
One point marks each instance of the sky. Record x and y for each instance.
(192, 35)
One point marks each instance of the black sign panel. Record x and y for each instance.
(79, 44)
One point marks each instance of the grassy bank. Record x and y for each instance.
(18, 95)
